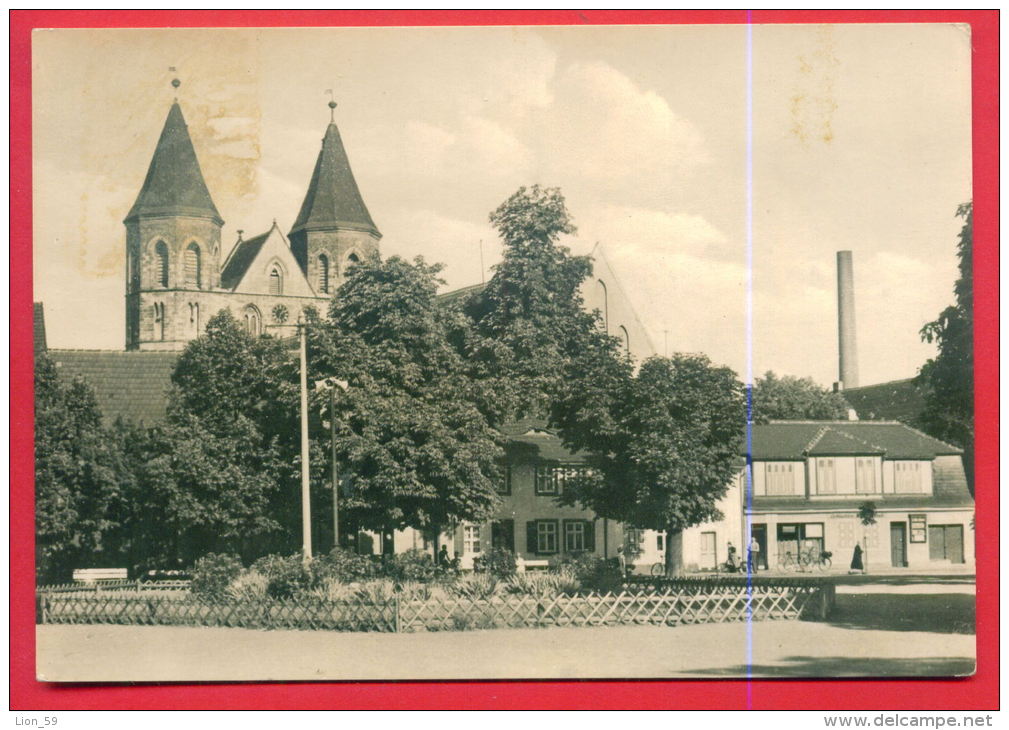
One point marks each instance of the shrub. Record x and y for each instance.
(249, 586)
(343, 565)
(285, 576)
(476, 585)
(411, 565)
(541, 584)
(498, 562)
(213, 573)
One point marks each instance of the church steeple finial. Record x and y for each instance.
(332, 107)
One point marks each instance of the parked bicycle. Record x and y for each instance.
(815, 559)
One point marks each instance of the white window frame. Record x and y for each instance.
(574, 536)
(471, 539)
(546, 532)
(865, 465)
(826, 467)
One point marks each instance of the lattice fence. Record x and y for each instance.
(669, 603)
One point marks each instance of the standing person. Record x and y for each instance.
(622, 560)
(753, 558)
(443, 559)
(856, 560)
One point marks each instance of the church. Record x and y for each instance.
(178, 273)
(797, 489)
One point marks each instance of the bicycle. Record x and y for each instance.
(816, 559)
(787, 562)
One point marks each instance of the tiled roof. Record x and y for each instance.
(130, 385)
(832, 442)
(333, 199)
(897, 400)
(174, 184)
(464, 293)
(530, 440)
(789, 440)
(39, 327)
(240, 259)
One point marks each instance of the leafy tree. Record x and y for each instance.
(867, 516)
(664, 445)
(412, 438)
(530, 319)
(789, 397)
(223, 473)
(80, 478)
(949, 376)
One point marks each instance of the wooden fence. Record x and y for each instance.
(670, 603)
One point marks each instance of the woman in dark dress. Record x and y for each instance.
(856, 560)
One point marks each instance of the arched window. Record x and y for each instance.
(276, 281)
(194, 316)
(353, 259)
(161, 263)
(192, 265)
(323, 274)
(159, 321)
(626, 338)
(606, 305)
(253, 320)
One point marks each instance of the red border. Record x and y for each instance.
(976, 693)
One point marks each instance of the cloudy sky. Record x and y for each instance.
(861, 141)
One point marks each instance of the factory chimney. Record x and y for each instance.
(846, 346)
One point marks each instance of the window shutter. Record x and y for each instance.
(531, 537)
(590, 536)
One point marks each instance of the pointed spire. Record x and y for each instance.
(333, 200)
(174, 185)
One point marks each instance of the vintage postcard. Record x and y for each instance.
(453, 353)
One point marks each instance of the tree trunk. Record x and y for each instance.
(674, 553)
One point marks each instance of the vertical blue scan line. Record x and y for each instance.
(748, 469)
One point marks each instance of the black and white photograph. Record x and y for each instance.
(466, 353)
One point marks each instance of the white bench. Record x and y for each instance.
(536, 564)
(99, 575)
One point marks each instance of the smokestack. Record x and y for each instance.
(846, 347)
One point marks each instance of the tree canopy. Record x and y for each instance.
(789, 397)
(81, 478)
(222, 474)
(529, 322)
(412, 437)
(664, 446)
(949, 376)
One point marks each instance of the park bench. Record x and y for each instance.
(99, 575)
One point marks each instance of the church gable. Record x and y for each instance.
(604, 293)
(265, 265)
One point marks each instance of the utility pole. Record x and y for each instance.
(306, 505)
(335, 466)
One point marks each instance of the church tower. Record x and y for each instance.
(334, 228)
(173, 245)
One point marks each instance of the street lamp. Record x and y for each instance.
(331, 384)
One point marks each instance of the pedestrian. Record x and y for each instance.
(753, 558)
(443, 559)
(856, 560)
(622, 560)
(731, 562)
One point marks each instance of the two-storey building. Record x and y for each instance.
(808, 480)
